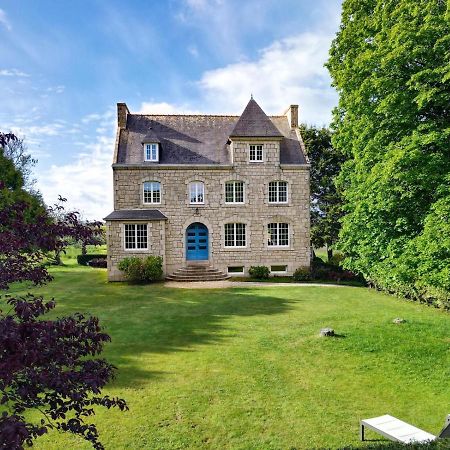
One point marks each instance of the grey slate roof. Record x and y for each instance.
(151, 137)
(136, 214)
(199, 139)
(254, 123)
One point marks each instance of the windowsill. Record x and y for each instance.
(234, 203)
(278, 247)
(136, 250)
(234, 248)
(278, 203)
(151, 204)
(151, 160)
(257, 162)
(196, 205)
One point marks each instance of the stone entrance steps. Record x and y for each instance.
(197, 272)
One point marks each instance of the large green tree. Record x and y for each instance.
(326, 202)
(390, 63)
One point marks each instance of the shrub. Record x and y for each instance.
(98, 262)
(302, 274)
(142, 269)
(336, 260)
(259, 272)
(84, 259)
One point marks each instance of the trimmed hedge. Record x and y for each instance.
(98, 262)
(83, 260)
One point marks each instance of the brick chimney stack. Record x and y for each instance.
(292, 115)
(122, 113)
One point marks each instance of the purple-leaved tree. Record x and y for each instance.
(51, 366)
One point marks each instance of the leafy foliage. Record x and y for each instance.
(326, 201)
(48, 365)
(142, 270)
(390, 64)
(259, 272)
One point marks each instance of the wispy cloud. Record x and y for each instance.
(13, 73)
(4, 20)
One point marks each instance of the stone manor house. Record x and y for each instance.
(212, 194)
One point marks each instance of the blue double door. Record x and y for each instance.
(197, 242)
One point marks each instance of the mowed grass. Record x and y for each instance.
(244, 368)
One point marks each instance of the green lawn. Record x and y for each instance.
(244, 368)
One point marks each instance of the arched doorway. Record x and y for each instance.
(197, 242)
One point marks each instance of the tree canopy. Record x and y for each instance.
(50, 366)
(390, 63)
(326, 202)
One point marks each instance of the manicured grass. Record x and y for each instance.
(244, 368)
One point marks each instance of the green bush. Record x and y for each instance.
(336, 260)
(142, 270)
(259, 272)
(84, 259)
(302, 274)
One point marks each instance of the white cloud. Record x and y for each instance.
(289, 71)
(166, 108)
(13, 72)
(4, 20)
(86, 183)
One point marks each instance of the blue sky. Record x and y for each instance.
(65, 64)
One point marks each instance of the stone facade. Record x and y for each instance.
(167, 238)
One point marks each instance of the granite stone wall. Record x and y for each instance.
(167, 238)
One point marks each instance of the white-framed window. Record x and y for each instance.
(197, 193)
(256, 153)
(234, 192)
(235, 235)
(152, 192)
(151, 152)
(278, 192)
(278, 235)
(135, 236)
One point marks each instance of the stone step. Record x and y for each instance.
(200, 278)
(195, 271)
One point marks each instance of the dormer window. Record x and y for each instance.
(256, 153)
(151, 152)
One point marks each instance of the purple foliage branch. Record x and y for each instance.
(51, 366)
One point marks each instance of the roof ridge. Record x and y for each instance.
(185, 115)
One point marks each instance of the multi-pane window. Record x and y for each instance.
(256, 153)
(135, 236)
(278, 235)
(151, 152)
(152, 192)
(234, 192)
(278, 192)
(235, 235)
(197, 192)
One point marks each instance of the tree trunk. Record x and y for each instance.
(83, 248)
(329, 253)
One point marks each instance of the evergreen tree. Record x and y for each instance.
(390, 63)
(326, 202)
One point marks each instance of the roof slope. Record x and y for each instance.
(204, 139)
(254, 123)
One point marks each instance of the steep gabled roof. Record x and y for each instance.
(254, 122)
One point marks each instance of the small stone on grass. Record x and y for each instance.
(398, 320)
(327, 332)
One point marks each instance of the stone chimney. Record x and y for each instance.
(122, 113)
(292, 115)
